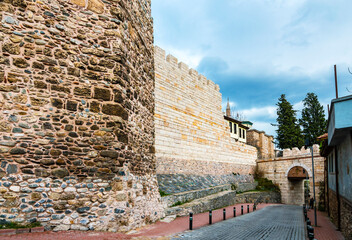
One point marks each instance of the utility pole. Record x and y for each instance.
(336, 89)
(315, 202)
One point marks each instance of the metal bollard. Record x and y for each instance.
(310, 232)
(310, 229)
(210, 217)
(305, 216)
(224, 214)
(190, 221)
(234, 211)
(247, 208)
(242, 210)
(308, 222)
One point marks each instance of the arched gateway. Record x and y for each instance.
(296, 175)
(292, 171)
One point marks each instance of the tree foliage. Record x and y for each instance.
(313, 120)
(289, 134)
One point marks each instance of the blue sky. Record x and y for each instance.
(257, 50)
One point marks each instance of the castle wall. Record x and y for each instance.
(191, 135)
(264, 143)
(76, 114)
(276, 169)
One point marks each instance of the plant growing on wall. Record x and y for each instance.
(313, 120)
(289, 134)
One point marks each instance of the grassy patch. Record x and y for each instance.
(178, 203)
(265, 184)
(13, 225)
(162, 193)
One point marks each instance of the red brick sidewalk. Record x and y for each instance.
(325, 230)
(158, 229)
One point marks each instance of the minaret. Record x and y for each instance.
(228, 110)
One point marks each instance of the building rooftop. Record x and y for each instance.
(340, 119)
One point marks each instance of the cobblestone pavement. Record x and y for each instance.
(273, 222)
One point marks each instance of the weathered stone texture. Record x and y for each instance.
(263, 142)
(277, 169)
(76, 110)
(191, 135)
(345, 213)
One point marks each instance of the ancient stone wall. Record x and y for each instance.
(277, 169)
(263, 142)
(76, 114)
(191, 135)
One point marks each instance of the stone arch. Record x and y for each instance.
(299, 165)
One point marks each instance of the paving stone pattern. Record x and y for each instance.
(273, 222)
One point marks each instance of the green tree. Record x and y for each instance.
(313, 120)
(289, 133)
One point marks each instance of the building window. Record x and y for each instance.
(244, 133)
(230, 127)
(240, 130)
(331, 163)
(235, 128)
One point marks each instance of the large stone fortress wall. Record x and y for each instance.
(191, 135)
(76, 114)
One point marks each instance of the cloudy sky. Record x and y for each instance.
(259, 49)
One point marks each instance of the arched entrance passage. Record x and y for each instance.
(297, 173)
(296, 176)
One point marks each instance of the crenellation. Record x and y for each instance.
(193, 72)
(172, 60)
(184, 67)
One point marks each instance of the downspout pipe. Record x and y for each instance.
(337, 190)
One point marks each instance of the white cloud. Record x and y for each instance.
(255, 113)
(266, 127)
(192, 59)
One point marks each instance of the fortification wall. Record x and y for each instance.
(76, 114)
(191, 135)
(264, 143)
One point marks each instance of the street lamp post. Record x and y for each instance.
(315, 202)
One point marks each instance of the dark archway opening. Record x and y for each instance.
(297, 173)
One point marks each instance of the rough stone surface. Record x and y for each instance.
(76, 114)
(263, 142)
(178, 183)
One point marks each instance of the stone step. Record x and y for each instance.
(188, 196)
(222, 199)
(200, 205)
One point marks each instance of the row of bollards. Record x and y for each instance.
(223, 215)
(310, 229)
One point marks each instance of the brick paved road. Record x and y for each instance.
(273, 222)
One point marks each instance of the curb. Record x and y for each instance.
(21, 230)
